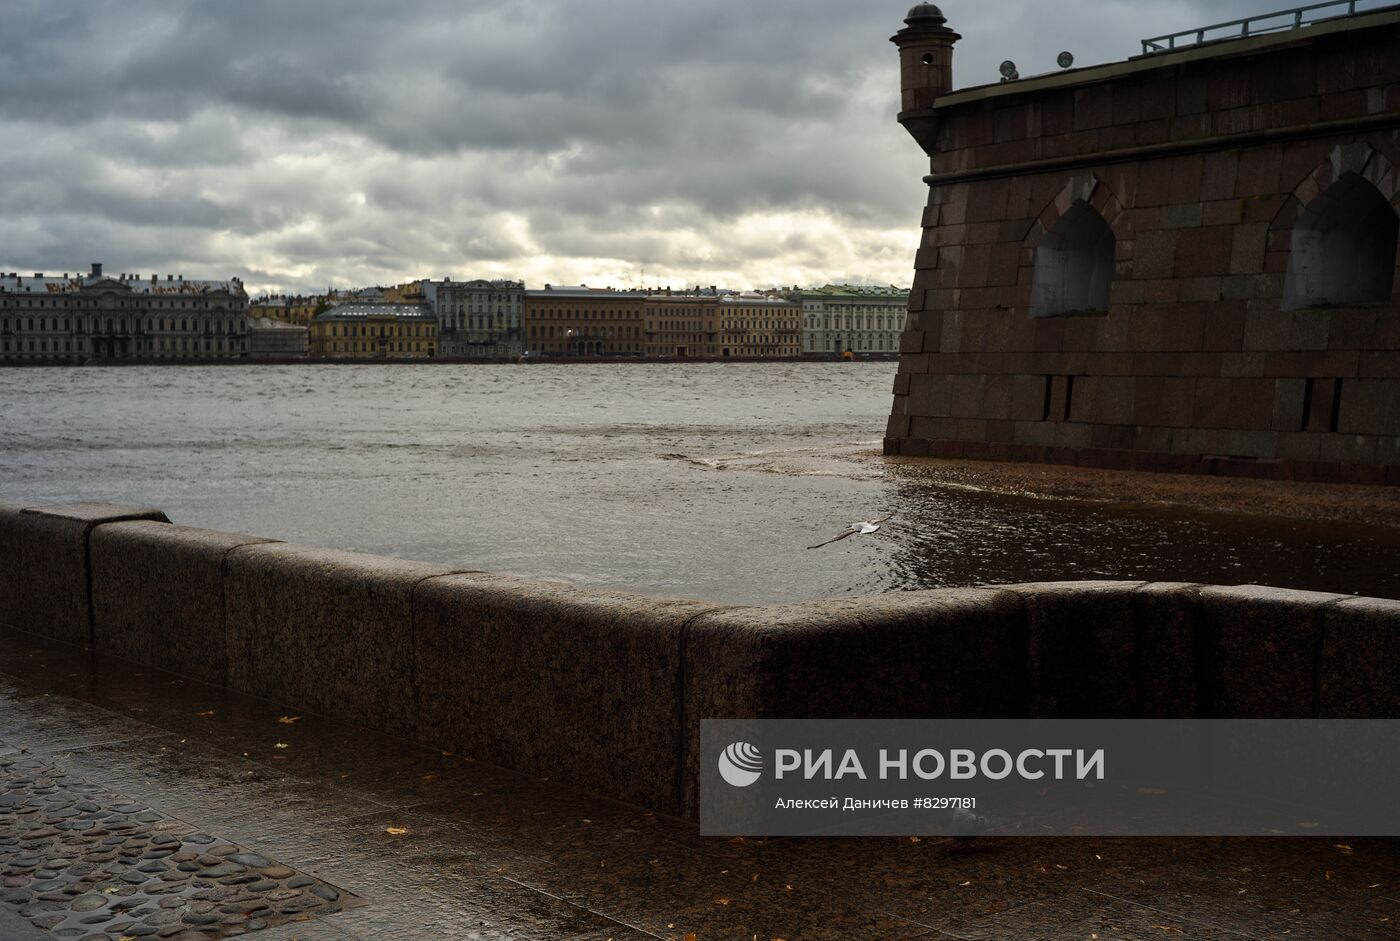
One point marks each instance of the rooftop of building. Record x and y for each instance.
(40, 283)
(497, 283)
(857, 290)
(1243, 37)
(750, 298)
(358, 310)
(583, 291)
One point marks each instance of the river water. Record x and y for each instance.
(694, 480)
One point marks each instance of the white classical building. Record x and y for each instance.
(839, 318)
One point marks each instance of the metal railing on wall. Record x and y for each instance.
(1264, 23)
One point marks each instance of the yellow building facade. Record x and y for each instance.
(756, 326)
(375, 331)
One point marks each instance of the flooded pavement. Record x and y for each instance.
(692, 480)
(434, 845)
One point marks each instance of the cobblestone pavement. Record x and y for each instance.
(88, 864)
(436, 847)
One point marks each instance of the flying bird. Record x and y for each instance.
(863, 528)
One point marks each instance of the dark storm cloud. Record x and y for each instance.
(312, 141)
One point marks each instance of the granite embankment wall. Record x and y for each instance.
(605, 690)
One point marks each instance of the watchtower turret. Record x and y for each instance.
(925, 68)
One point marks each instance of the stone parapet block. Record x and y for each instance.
(572, 683)
(1261, 648)
(44, 553)
(158, 595)
(1358, 670)
(325, 630)
(953, 653)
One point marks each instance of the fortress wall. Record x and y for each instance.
(605, 690)
(1200, 163)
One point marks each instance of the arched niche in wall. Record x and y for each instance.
(1075, 248)
(1342, 248)
(1334, 239)
(1074, 264)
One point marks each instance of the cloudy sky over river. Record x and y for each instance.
(309, 143)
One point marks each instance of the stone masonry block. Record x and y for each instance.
(48, 579)
(10, 543)
(552, 679)
(324, 630)
(1359, 674)
(1261, 651)
(950, 653)
(1090, 652)
(158, 596)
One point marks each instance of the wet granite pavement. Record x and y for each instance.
(419, 844)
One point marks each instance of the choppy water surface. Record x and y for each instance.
(698, 480)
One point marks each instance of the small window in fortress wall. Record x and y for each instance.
(1074, 265)
(1343, 248)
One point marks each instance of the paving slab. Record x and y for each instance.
(422, 844)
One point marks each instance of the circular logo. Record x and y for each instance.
(740, 764)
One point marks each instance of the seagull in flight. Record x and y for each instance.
(863, 528)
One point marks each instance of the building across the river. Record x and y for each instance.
(478, 319)
(579, 321)
(759, 326)
(96, 317)
(683, 325)
(1185, 261)
(277, 339)
(382, 331)
(851, 318)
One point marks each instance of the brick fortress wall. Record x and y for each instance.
(1205, 358)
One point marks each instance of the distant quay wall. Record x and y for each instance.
(605, 690)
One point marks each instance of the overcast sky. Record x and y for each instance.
(304, 143)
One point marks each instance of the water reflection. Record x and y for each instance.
(966, 538)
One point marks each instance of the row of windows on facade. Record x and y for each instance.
(1342, 252)
(378, 330)
(183, 345)
(360, 346)
(118, 325)
(591, 313)
(888, 342)
(92, 302)
(555, 330)
(856, 323)
(477, 323)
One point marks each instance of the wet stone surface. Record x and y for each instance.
(87, 864)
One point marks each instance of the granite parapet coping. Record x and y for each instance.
(606, 690)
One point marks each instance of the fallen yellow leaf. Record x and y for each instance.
(721, 900)
(1346, 850)
(396, 831)
(209, 713)
(281, 745)
(914, 839)
(968, 882)
(288, 720)
(691, 937)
